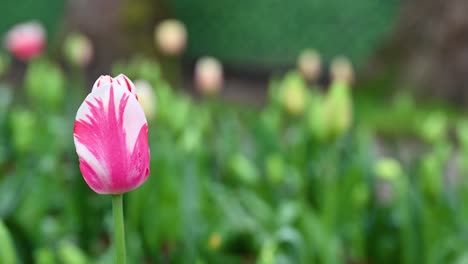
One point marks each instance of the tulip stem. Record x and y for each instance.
(119, 229)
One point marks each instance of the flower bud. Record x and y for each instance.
(23, 127)
(111, 137)
(293, 89)
(209, 75)
(341, 70)
(26, 40)
(316, 117)
(244, 169)
(388, 172)
(434, 127)
(146, 97)
(275, 168)
(171, 37)
(388, 169)
(309, 64)
(45, 84)
(338, 110)
(78, 50)
(432, 169)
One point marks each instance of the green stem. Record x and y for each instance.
(119, 229)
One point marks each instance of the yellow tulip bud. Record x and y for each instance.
(309, 64)
(171, 37)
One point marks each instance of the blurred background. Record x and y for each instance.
(308, 131)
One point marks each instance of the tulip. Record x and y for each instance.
(389, 176)
(78, 50)
(46, 93)
(342, 71)
(309, 64)
(111, 140)
(209, 75)
(146, 98)
(338, 110)
(110, 136)
(171, 37)
(294, 93)
(23, 124)
(433, 128)
(25, 41)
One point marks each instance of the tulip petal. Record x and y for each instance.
(111, 138)
(123, 80)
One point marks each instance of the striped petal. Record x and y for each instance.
(121, 79)
(111, 139)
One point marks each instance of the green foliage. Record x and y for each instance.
(267, 32)
(7, 254)
(236, 184)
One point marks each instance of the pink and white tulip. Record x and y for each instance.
(26, 41)
(111, 137)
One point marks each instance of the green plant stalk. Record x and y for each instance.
(119, 229)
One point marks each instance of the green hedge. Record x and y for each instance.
(275, 31)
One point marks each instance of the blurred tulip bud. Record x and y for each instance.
(294, 93)
(78, 49)
(45, 84)
(26, 40)
(7, 252)
(341, 70)
(191, 139)
(434, 128)
(23, 126)
(388, 169)
(214, 241)
(146, 97)
(71, 254)
(209, 75)
(171, 37)
(338, 110)
(309, 64)
(275, 168)
(244, 169)
(316, 118)
(432, 169)
(389, 173)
